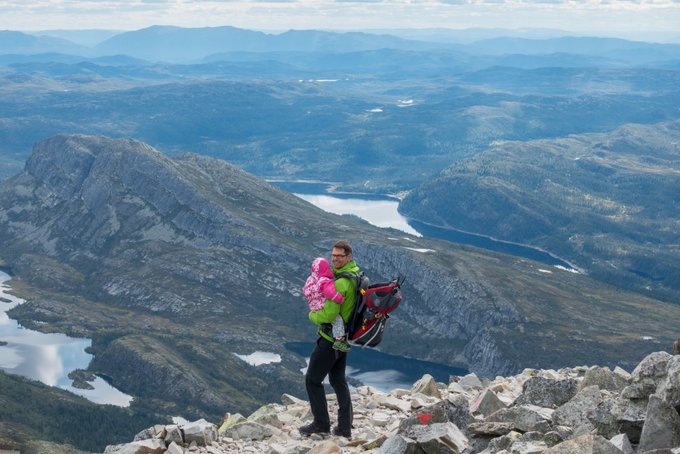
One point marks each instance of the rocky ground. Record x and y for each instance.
(572, 410)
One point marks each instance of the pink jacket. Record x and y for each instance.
(320, 285)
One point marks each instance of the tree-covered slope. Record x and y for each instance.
(607, 202)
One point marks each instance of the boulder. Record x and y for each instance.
(545, 392)
(575, 412)
(470, 382)
(585, 444)
(426, 385)
(662, 426)
(441, 412)
(250, 431)
(669, 386)
(647, 375)
(522, 419)
(622, 442)
(231, 420)
(267, 415)
(174, 448)
(603, 378)
(173, 434)
(201, 431)
(439, 438)
(148, 446)
(398, 444)
(486, 403)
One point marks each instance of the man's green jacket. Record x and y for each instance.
(347, 288)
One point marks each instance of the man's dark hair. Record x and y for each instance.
(344, 245)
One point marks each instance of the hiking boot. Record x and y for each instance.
(338, 432)
(341, 345)
(313, 428)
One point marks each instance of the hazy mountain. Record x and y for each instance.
(88, 38)
(36, 59)
(12, 42)
(608, 202)
(470, 35)
(166, 43)
(608, 47)
(172, 265)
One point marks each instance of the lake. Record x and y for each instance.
(383, 371)
(382, 211)
(48, 357)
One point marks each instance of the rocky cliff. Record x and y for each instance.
(568, 411)
(174, 264)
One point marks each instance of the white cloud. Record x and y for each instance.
(576, 15)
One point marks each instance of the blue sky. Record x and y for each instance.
(604, 17)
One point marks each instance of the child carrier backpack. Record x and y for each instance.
(373, 304)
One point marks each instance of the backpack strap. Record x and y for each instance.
(360, 283)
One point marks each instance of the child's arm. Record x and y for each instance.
(329, 291)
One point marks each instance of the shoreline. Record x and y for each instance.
(571, 267)
(498, 240)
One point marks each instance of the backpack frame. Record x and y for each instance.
(373, 304)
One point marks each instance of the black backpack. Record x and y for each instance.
(373, 304)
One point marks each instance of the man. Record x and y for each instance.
(327, 361)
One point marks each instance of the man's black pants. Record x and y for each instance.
(327, 361)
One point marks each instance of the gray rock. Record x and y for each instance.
(426, 385)
(630, 417)
(231, 420)
(575, 412)
(470, 381)
(586, 444)
(441, 412)
(603, 378)
(527, 447)
(647, 375)
(173, 434)
(145, 434)
(622, 442)
(201, 431)
(653, 365)
(605, 418)
(250, 431)
(325, 447)
(552, 438)
(287, 399)
(149, 446)
(669, 387)
(439, 438)
(522, 418)
(267, 415)
(546, 392)
(503, 443)
(174, 448)
(662, 426)
(489, 428)
(398, 444)
(486, 403)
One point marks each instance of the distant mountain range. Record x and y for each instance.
(190, 45)
(172, 265)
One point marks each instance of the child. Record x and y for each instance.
(320, 287)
